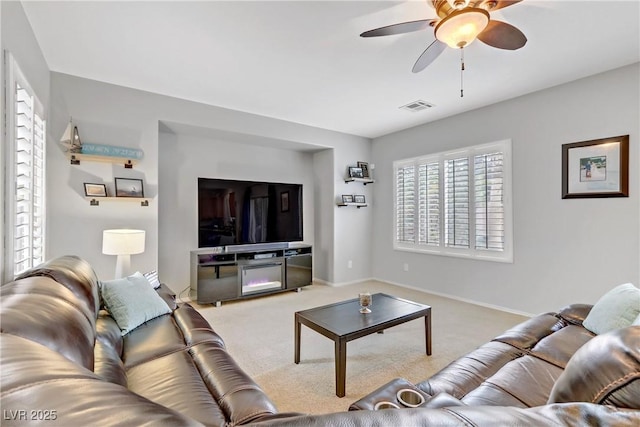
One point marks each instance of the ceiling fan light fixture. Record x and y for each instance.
(461, 27)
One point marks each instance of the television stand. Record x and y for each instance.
(236, 272)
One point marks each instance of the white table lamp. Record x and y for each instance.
(123, 243)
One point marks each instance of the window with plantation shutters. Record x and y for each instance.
(25, 225)
(456, 203)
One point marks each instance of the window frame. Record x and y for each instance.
(506, 255)
(14, 77)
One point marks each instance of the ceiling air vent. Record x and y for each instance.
(416, 106)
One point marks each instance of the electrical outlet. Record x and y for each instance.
(349, 264)
(405, 267)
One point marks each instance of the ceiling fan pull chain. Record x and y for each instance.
(461, 72)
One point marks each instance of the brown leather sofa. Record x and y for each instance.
(546, 371)
(63, 361)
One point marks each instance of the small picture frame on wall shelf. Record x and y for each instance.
(129, 187)
(347, 198)
(355, 172)
(359, 198)
(365, 169)
(95, 190)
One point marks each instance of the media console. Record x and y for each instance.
(235, 272)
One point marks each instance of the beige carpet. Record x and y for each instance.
(258, 332)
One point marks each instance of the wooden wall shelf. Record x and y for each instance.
(75, 158)
(357, 205)
(365, 181)
(95, 201)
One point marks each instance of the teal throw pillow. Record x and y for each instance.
(131, 301)
(616, 309)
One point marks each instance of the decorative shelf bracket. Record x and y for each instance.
(357, 205)
(365, 181)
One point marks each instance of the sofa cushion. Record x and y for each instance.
(559, 347)
(466, 373)
(605, 370)
(525, 382)
(175, 382)
(75, 274)
(41, 386)
(45, 311)
(108, 350)
(618, 308)
(132, 301)
(152, 277)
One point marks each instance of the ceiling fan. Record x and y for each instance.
(458, 24)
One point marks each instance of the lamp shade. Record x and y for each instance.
(123, 242)
(462, 27)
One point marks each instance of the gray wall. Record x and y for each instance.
(17, 38)
(115, 115)
(178, 201)
(565, 251)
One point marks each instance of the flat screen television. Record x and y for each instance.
(234, 212)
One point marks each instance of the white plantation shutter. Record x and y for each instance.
(429, 190)
(26, 220)
(456, 203)
(489, 203)
(456, 208)
(405, 204)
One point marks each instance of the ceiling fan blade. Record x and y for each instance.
(503, 36)
(429, 55)
(404, 27)
(499, 4)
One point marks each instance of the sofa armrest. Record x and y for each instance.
(386, 393)
(168, 296)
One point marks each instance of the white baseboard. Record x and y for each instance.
(457, 298)
(340, 284)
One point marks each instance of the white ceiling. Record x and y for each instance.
(303, 61)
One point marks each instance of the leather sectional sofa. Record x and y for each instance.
(64, 361)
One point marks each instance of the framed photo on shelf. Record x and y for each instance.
(355, 172)
(129, 187)
(359, 198)
(95, 190)
(347, 198)
(597, 168)
(365, 169)
(284, 201)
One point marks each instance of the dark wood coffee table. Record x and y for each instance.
(342, 322)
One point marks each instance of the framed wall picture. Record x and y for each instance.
(95, 190)
(355, 172)
(365, 169)
(347, 198)
(129, 187)
(597, 168)
(359, 198)
(284, 201)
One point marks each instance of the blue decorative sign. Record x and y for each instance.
(112, 151)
